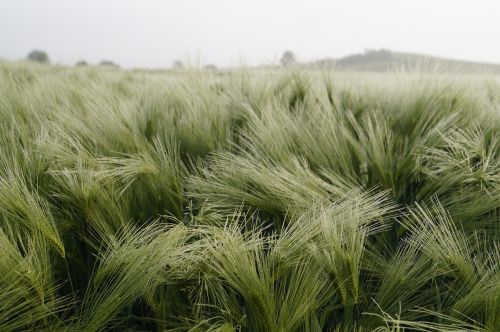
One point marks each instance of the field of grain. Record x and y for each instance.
(247, 200)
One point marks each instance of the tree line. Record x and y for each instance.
(288, 58)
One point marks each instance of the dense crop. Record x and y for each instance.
(252, 201)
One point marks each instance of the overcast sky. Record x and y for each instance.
(153, 33)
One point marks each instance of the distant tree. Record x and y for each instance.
(211, 67)
(287, 59)
(38, 56)
(81, 63)
(381, 54)
(177, 64)
(108, 63)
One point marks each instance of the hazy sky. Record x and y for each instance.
(153, 33)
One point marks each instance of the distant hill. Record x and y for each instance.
(385, 60)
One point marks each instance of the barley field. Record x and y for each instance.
(248, 200)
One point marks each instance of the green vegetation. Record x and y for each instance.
(248, 201)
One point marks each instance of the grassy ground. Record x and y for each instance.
(252, 201)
